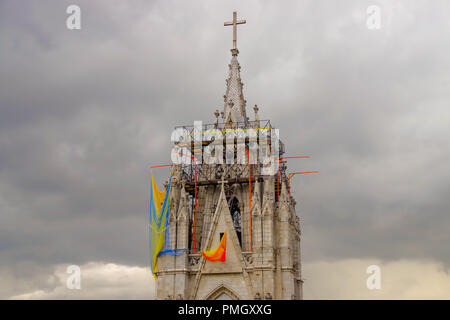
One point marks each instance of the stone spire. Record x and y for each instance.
(234, 103)
(263, 256)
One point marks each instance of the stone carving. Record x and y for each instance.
(194, 260)
(216, 114)
(248, 257)
(255, 108)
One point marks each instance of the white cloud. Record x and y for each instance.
(340, 279)
(402, 279)
(98, 281)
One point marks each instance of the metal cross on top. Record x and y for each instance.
(234, 23)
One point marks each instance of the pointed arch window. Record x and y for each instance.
(222, 293)
(236, 216)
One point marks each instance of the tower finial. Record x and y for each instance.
(234, 23)
(234, 102)
(256, 109)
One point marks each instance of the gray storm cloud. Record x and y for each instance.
(83, 114)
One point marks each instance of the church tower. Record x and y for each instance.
(229, 177)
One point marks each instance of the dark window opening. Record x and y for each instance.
(236, 216)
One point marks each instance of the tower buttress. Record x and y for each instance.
(285, 234)
(182, 242)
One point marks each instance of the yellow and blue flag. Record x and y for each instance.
(159, 225)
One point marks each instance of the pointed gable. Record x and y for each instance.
(210, 271)
(222, 222)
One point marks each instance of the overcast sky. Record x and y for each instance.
(84, 113)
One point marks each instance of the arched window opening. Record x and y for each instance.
(224, 296)
(236, 216)
(222, 293)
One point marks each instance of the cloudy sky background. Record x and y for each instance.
(83, 114)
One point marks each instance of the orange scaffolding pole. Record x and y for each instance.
(292, 174)
(164, 165)
(278, 169)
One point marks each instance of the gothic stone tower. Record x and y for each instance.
(255, 208)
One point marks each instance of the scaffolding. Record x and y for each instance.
(197, 173)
